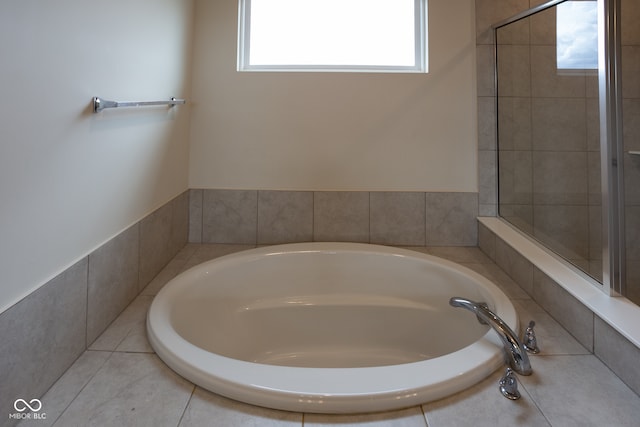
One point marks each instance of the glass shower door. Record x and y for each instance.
(548, 130)
(569, 134)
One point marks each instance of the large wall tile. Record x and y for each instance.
(113, 280)
(514, 71)
(630, 15)
(516, 177)
(162, 235)
(545, 79)
(42, 335)
(486, 123)
(398, 218)
(514, 116)
(487, 173)
(618, 353)
(285, 216)
(487, 241)
(179, 225)
(515, 265)
(631, 70)
(341, 216)
(559, 124)
(543, 27)
(195, 216)
(488, 14)
(568, 311)
(632, 233)
(230, 216)
(516, 33)
(560, 178)
(563, 228)
(485, 70)
(451, 219)
(594, 178)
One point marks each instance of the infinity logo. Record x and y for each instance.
(21, 405)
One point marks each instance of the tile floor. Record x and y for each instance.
(120, 382)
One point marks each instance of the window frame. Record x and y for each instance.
(420, 48)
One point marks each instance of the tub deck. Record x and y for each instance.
(120, 382)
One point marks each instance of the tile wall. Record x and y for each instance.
(606, 343)
(48, 330)
(119, 381)
(548, 141)
(392, 218)
(618, 353)
(43, 334)
(631, 134)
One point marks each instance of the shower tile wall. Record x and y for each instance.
(487, 13)
(616, 351)
(548, 143)
(392, 218)
(631, 135)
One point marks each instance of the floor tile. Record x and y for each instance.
(131, 389)
(410, 417)
(65, 390)
(484, 406)
(581, 391)
(211, 410)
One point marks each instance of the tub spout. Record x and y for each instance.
(516, 354)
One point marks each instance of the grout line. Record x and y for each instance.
(86, 308)
(257, 216)
(184, 411)
(62, 412)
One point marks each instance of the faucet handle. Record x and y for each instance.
(509, 385)
(529, 341)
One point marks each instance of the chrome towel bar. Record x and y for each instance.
(100, 104)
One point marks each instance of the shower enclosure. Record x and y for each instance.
(568, 114)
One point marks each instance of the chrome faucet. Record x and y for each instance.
(515, 353)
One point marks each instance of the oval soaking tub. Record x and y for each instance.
(328, 327)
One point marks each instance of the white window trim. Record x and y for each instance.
(420, 54)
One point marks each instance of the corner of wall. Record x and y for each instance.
(44, 333)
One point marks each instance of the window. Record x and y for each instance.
(332, 35)
(577, 35)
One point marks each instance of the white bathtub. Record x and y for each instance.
(328, 327)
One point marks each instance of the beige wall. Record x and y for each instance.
(335, 131)
(71, 179)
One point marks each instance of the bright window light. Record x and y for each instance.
(577, 35)
(332, 35)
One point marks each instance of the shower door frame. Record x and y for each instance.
(611, 143)
(611, 146)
